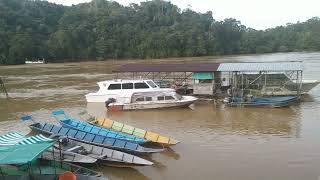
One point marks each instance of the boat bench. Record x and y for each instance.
(74, 149)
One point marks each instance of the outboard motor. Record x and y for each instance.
(63, 141)
(109, 101)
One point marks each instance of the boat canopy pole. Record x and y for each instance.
(2, 174)
(60, 153)
(54, 163)
(257, 78)
(300, 82)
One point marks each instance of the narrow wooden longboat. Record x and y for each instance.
(46, 169)
(93, 139)
(272, 101)
(104, 155)
(69, 122)
(120, 127)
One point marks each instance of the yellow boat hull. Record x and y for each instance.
(120, 127)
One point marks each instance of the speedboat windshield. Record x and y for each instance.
(152, 84)
(178, 96)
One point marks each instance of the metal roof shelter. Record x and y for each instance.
(265, 66)
(192, 67)
(238, 72)
(213, 67)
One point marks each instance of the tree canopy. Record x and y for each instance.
(99, 30)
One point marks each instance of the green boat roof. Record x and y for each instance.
(22, 154)
(202, 75)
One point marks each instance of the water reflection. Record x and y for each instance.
(209, 119)
(218, 138)
(123, 173)
(171, 153)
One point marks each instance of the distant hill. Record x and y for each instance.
(34, 29)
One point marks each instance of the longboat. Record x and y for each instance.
(272, 101)
(15, 163)
(104, 155)
(69, 122)
(124, 128)
(94, 139)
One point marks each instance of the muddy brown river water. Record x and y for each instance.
(217, 142)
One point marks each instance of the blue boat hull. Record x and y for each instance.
(277, 101)
(93, 139)
(86, 127)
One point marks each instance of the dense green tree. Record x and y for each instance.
(101, 29)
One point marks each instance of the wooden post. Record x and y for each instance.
(4, 88)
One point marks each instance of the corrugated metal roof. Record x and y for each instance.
(266, 66)
(192, 67)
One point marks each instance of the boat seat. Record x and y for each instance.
(96, 150)
(64, 131)
(95, 130)
(130, 145)
(89, 137)
(120, 143)
(80, 135)
(47, 127)
(74, 149)
(72, 133)
(109, 141)
(55, 129)
(117, 126)
(98, 139)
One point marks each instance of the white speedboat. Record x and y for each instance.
(137, 94)
(35, 62)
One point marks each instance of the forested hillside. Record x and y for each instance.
(34, 29)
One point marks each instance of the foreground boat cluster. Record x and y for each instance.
(58, 150)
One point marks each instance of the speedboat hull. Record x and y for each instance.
(184, 102)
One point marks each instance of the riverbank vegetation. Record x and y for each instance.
(34, 29)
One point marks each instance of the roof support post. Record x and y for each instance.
(4, 88)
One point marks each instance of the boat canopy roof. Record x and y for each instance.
(124, 81)
(16, 154)
(15, 138)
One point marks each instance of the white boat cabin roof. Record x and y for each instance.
(146, 83)
(124, 81)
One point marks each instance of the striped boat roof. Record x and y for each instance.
(15, 138)
(11, 138)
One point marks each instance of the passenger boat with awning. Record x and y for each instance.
(15, 163)
(15, 138)
(120, 127)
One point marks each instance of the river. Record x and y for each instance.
(217, 142)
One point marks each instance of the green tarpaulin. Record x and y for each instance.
(22, 154)
(202, 75)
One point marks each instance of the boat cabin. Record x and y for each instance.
(126, 84)
(155, 96)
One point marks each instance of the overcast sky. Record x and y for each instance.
(258, 14)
